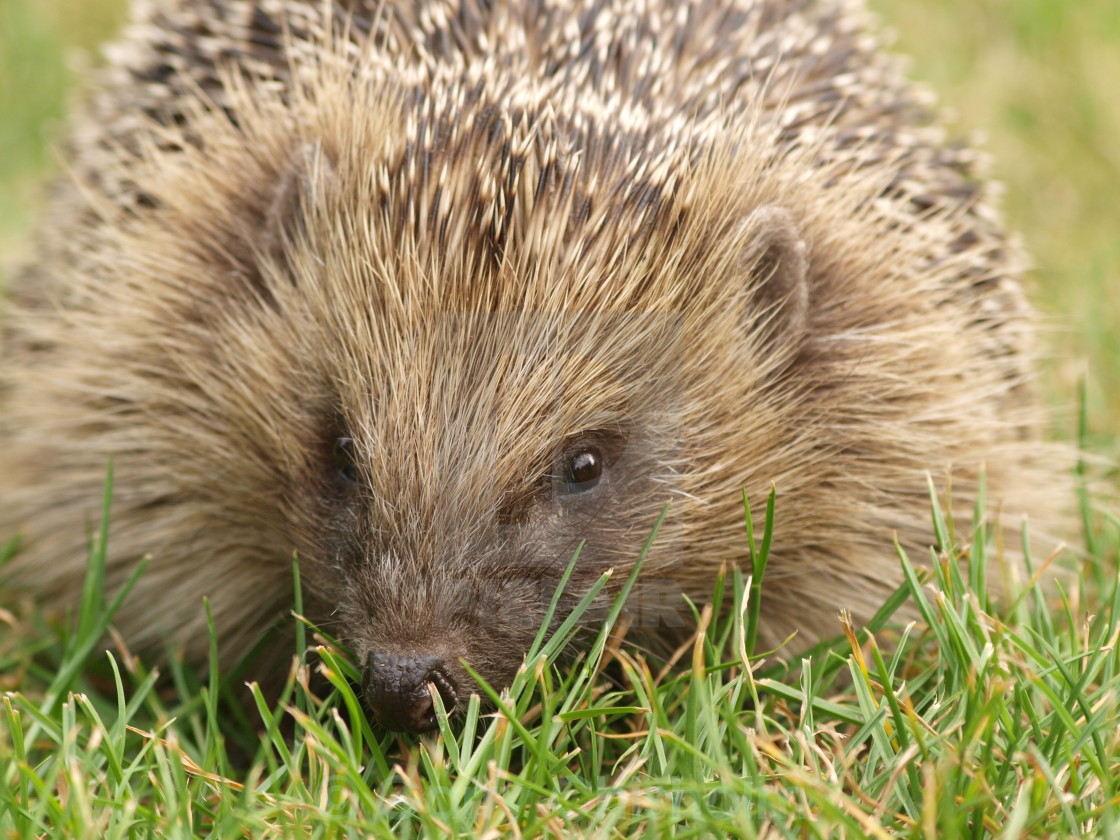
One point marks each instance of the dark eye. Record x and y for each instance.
(582, 471)
(343, 457)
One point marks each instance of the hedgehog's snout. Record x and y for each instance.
(396, 690)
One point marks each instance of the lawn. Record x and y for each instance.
(991, 719)
(976, 723)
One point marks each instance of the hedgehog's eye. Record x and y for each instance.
(344, 462)
(582, 471)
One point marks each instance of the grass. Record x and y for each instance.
(1036, 80)
(981, 724)
(989, 721)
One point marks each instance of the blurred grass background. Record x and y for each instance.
(1038, 79)
(46, 46)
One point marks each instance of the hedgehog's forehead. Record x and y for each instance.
(579, 368)
(501, 391)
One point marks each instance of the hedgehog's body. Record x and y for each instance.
(429, 295)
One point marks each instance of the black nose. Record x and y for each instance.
(396, 690)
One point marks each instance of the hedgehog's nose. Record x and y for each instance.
(396, 690)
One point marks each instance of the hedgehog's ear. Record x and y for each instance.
(308, 175)
(778, 260)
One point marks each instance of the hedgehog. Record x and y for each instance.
(432, 293)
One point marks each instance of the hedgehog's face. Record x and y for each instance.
(464, 476)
